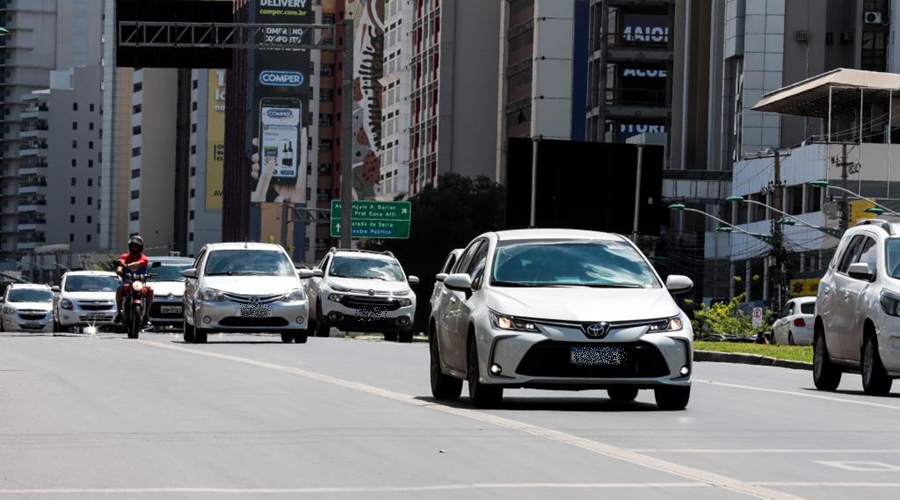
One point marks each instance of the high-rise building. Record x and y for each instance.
(395, 91)
(29, 52)
(207, 155)
(453, 97)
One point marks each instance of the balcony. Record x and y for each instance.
(35, 204)
(32, 167)
(33, 224)
(39, 131)
(40, 112)
(35, 186)
(33, 149)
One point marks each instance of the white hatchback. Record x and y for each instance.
(86, 298)
(559, 309)
(26, 307)
(795, 326)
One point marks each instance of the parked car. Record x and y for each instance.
(26, 307)
(167, 282)
(560, 309)
(363, 291)
(857, 322)
(795, 324)
(85, 298)
(244, 287)
(439, 289)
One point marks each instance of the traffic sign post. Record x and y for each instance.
(757, 317)
(373, 219)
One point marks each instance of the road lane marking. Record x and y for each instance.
(800, 394)
(597, 447)
(754, 451)
(361, 489)
(806, 484)
(861, 466)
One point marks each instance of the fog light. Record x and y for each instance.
(496, 369)
(335, 316)
(403, 321)
(684, 371)
(299, 320)
(207, 320)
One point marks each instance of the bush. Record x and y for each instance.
(726, 318)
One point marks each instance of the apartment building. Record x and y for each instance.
(207, 156)
(395, 85)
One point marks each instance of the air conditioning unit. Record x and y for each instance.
(802, 36)
(874, 18)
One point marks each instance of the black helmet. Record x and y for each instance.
(136, 240)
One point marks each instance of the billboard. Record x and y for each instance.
(644, 29)
(279, 105)
(215, 138)
(641, 84)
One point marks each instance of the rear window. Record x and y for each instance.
(808, 308)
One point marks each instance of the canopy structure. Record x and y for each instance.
(839, 92)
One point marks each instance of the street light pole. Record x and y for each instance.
(730, 227)
(827, 230)
(825, 185)
(347, 137)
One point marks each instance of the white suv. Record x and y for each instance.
(362, 291)
(857, 319)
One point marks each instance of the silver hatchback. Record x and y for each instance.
(244, 287)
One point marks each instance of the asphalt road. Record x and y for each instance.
(99, 417)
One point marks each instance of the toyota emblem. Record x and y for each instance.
(372, 292)
(596, 329)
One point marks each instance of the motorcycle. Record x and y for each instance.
(134, 301)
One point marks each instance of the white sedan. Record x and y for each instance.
(26, 307)
(795, 325)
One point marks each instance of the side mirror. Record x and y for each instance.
(861, 271)
(440, 277)
(413, 280)
(679, 284)
(156, 264)
(190, 273)
(318, 273)
(460, 282)
(54, 289)
(305, 273)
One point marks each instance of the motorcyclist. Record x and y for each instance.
(139, 264)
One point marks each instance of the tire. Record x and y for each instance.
(390, 336)
(188, 333)
(774, 338)
(874, 377)
(287, 337)
(622, 394)
(301, 336)
(672, 398)
(322, 329)
(443, 387)
(826, 375)
(200, 336)
(480, 395)
(405, 337)
(791, 338)
(134, 323)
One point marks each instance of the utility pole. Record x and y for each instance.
(778, 231)
(347, 136)
(845, 206)
(637, 194)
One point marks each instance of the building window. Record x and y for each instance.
(190, 236)
(136, 130)
(325, 145)
(327, 70)
(91, 106)
(193, 149)
(72, 219)
(135, 151)
(74, 144)
(138, 86)
(137, 108)
(193, 192)
(194, 128)
(91, 126)
(74, 162)
(71, 200)
(90, 219)
(71, 238)
(194, 84)
(326, 95)
(135, 194)
(135, 173)
(90, 182)
(90, 163)
(90, 144)
(74, 106)
(74, 125)
(324, 120)
(90, 200)
(194, 106)
(134, 216)
(191, 215)
(87, 238)
(74, 180)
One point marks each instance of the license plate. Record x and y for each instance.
(598, 356)
(95, 316)
(263, 311)
(33, 324)
(170, 309)
(371, 314)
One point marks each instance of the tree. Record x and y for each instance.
(443, 218)
(110, 264)
(726, 318)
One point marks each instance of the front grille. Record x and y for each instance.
(363, 302)
(26, 326)
(553, 359)
(248, 299)
(105, 317)
(96, 306)
(30, 316)
(236, 321)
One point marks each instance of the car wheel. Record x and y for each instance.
(405, 337)
(200, 336)
(791, 338)
(874, 377)
(826, 375)
(480, 395)
(287, 337)
(301, 336)
(774, 338)
(443, 387)
(390, 336)
(322, 329)
(672, 398)
(622, 394)
(188, 332)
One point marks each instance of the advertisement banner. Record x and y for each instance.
(644, 30)
(215, 138)
(279, 104)
(641, 84)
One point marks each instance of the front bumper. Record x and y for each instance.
(166, 311)
(80, 317)
(227, 316)
(31, 322)
(545, 360)
(361, 313)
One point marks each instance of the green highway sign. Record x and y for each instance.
(374, 219)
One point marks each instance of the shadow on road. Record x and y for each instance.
(598, 404)
(892, 395)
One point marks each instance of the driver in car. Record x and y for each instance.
(138, 263)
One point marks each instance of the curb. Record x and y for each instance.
(749, 359)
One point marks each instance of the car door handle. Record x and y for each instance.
(846, 295)
(453, 299)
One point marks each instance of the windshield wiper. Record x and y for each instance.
(516, 284)
(221, 273)
(608, 285)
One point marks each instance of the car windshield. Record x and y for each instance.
(808, 308)
(248, 262)
(29, 295)
(91, 284)
(892, 250)
(366, 268)
(170, 271)
(599, 264)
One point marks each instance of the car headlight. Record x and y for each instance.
(405, 302)
(503, 322)
(890, 302)
(294, 295)
(213, 295)
(66, 304)
(667, 325)
(335, 297)
(8, 310)
(337, 288)
(401, 293)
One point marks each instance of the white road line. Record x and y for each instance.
(802, 484)
(560, 437)
(375, 489)
(753, 451)
(800, 394)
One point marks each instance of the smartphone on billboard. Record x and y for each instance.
(279, 134)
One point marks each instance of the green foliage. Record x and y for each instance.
(109, 264)
(444, 218)
(726, 318)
